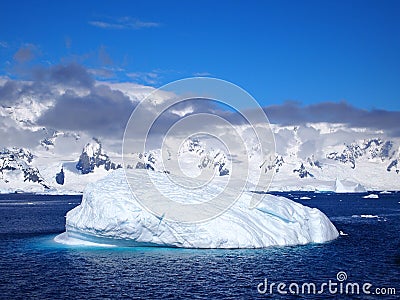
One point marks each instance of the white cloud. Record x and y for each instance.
(123, 23)
(202, 74)
(101, 73)
(145, 77)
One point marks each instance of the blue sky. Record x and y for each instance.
(305, 51)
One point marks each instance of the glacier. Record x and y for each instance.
(111, 215)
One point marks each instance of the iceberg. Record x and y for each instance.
(385, 192)
(371, 196)
(369, 216)
(348, 187)
(110, 214)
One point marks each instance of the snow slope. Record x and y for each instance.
(110, 214)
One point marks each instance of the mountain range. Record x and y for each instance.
(363, 164)
(308, 156)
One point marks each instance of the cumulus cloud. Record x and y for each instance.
(77, 103)
(102, 112)
(12, 135)
(291, 114)
(44, 81)
(8, 92)
(72, 75)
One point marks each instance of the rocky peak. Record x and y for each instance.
(93, 157)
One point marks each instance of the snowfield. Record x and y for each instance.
(110, 215)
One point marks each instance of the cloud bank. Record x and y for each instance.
(293, 113)
(71, 100)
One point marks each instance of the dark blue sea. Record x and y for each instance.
(33, 266)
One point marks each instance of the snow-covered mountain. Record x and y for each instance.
(325, 158)
(93, 157)
(307, 158)
(193, 155)
(15, 167)
(22, 171)
(314, 156)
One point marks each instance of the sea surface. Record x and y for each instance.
(33, 266)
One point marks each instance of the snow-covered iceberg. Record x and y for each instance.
(110, 214)
(371, 196)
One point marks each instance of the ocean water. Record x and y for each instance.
(33, 266)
